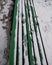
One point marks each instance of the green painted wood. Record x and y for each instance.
(12, 43)
(35, 28)
(28, 38)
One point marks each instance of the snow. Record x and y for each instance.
(20, 34)
(4, 36)
(44, 13)
(25, 38)
(35, 42)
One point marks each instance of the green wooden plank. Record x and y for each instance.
(28, 39)
(12, 43)
(35, 28)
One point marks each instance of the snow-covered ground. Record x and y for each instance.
(5, 24)
(44, 13)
